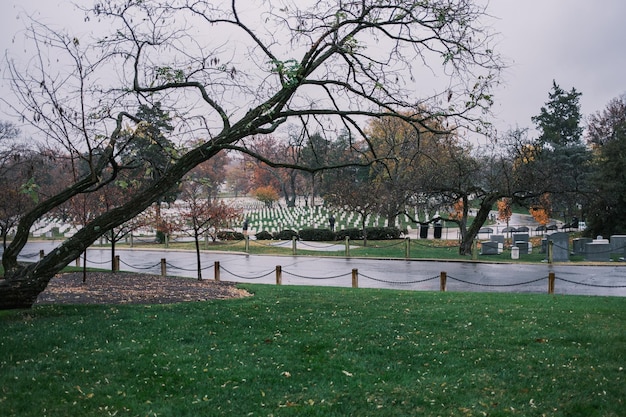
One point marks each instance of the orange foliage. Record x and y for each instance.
(504, 209)
(267, 195)
(458, 210)
(541, 211)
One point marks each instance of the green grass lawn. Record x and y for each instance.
(382, 249)
(319, 351)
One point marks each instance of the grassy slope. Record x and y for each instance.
(320, 352)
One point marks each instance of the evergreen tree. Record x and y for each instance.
(559, 119)
(562, 158)
(607, 135)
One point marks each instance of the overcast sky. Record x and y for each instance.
(578, 43)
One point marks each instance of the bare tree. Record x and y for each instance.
(201, 215)
(226, 72)
(15, 160)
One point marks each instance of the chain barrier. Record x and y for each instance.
(497, 285)
(419, 281)
(98, 263)
(590, 285)
(270, 245)
(318, 278)
(187, 269)
(385, 281)
(303, 243)
(138, 267)
(243, 277)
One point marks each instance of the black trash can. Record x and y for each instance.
(423, 230)
(438, 229)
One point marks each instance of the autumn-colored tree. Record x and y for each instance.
(286, 181)
(541, 210)
(200, 215)
(540, 215)
(457, 210)
(402, 150)
(354, 192)
(504, 210)
(239, 176)
(268, 195)
(211, 174)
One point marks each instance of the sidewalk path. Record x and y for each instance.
(605, 280)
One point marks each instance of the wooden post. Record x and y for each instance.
(347, 246)
(131, 239)
(443, 278)
(294, 246)
(355, 278)
(116, 263)
(247, 244)
(216, 270)
(279, 275)
(551, 279)
(407, 247)
(41, 254)
(475, 249)
(163, 267)
(78, 262)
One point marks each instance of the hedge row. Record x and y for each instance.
(325, 235)
(229, 235)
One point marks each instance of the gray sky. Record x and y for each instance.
(578, 43)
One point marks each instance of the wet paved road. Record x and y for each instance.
(396, 274)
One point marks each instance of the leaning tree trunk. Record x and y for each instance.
(467, 238)
(22, 284)
(21, 290)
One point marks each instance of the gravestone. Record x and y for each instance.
(618, 244)
(598, 250)
(497, 238)
(520, 237)
(579, 245)
(560, 246)
(489, 247)
(524, 247)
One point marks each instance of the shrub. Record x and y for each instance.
(160, 237)
(286, 234)
(353, 234)
(264, 235)
(230, 235)
(382, 233)
(317, 235)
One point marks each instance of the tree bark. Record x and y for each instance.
(22, 285)
(468, 237)
(196, 238)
